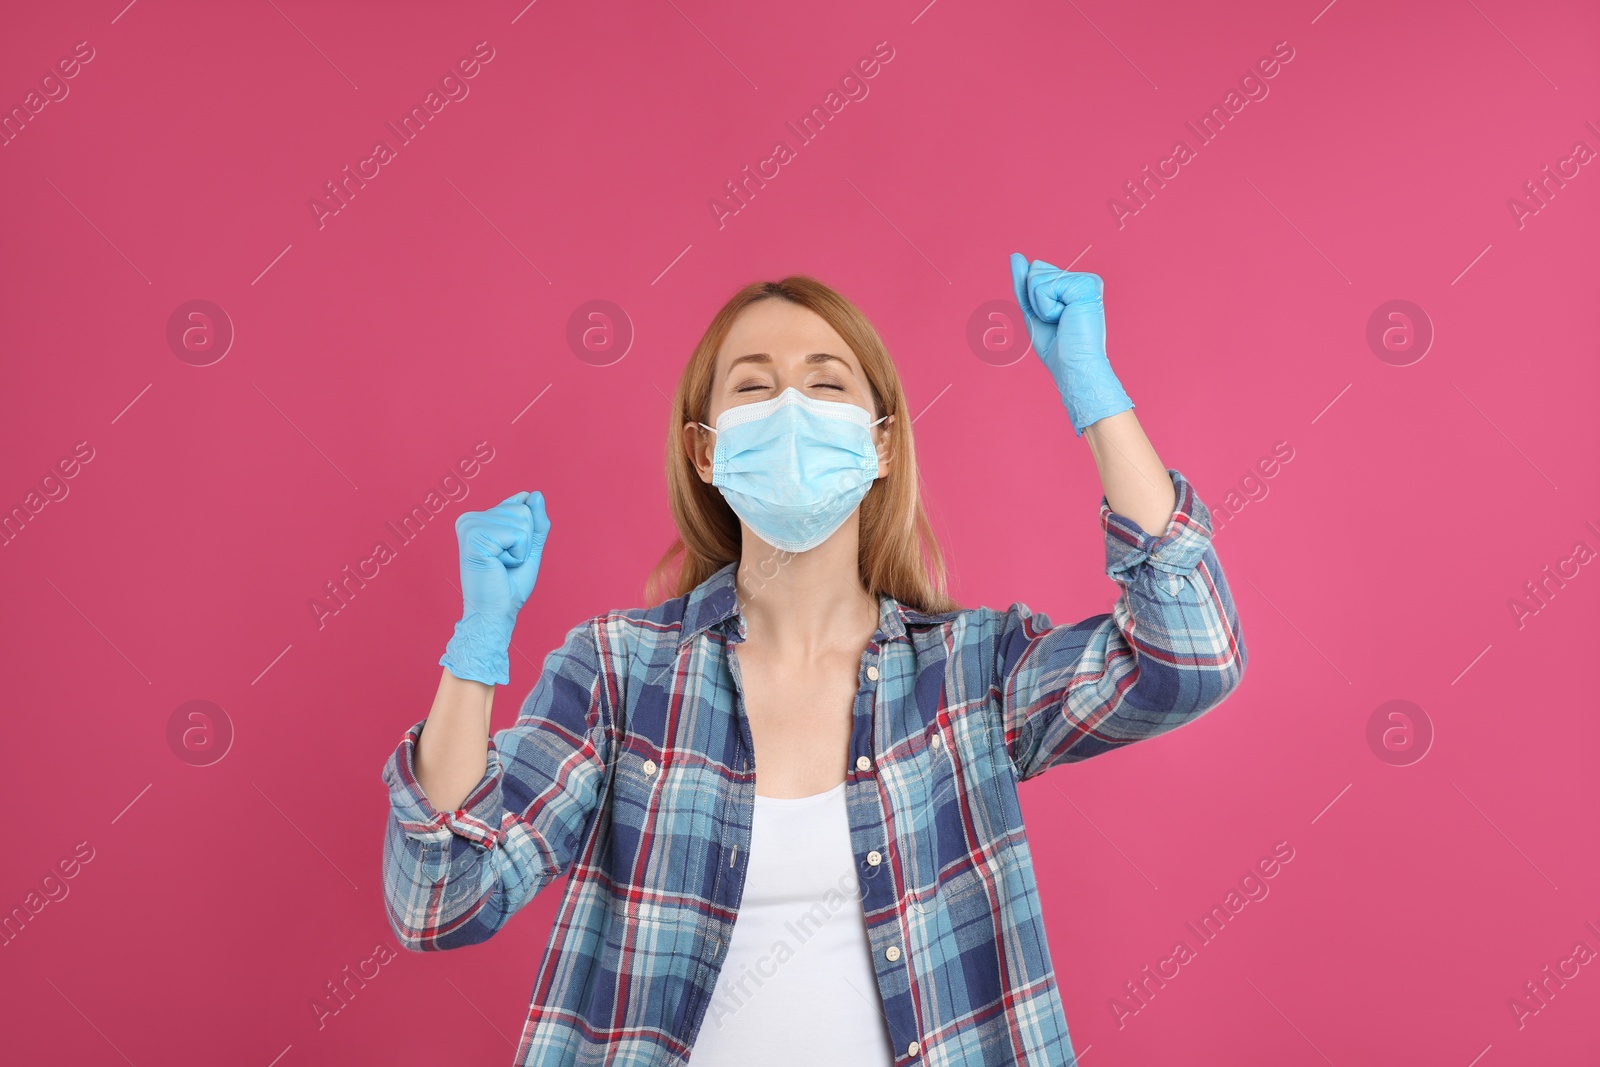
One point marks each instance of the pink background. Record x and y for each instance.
(373, 352)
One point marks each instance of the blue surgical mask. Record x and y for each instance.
(794, 468)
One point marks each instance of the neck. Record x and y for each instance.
(805, 602)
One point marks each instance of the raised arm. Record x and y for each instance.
(1171, 647)
(478, 825)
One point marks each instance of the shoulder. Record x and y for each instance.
(639, 634)
(661, 622)
(954, 631)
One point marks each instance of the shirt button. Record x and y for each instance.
(649, 766)
(892, 953)
(938, 741)
(872, 672)
(874, 858)
(863, 763)
(913, 1048)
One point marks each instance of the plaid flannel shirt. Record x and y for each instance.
(630, 767)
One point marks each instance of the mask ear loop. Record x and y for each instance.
(713, 429)
(870, 425)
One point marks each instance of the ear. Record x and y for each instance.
(700, 444)
(885, 445)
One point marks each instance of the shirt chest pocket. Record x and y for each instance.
(926, 825)
(662, 822)
(635, 803)
(954, 797)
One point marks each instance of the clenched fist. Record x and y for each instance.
(499, 551)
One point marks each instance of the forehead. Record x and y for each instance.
(785, 331)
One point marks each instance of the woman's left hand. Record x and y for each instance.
(1066, 319)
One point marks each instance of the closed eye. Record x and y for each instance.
(763, 385)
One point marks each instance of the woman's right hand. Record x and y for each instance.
(499, 550)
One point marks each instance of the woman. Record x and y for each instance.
(809, 737)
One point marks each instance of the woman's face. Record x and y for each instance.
(772, 345)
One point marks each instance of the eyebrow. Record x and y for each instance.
(763, 357)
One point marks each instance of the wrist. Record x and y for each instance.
(479, 649)
(1089, 401)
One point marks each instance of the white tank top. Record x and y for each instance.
(797, 987)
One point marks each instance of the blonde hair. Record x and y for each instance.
(899, 554)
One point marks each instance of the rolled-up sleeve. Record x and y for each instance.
(454, 878)
(1169, 650)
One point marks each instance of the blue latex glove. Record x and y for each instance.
(1066, 320)
(499, 550)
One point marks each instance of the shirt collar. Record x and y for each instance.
(715, 602)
